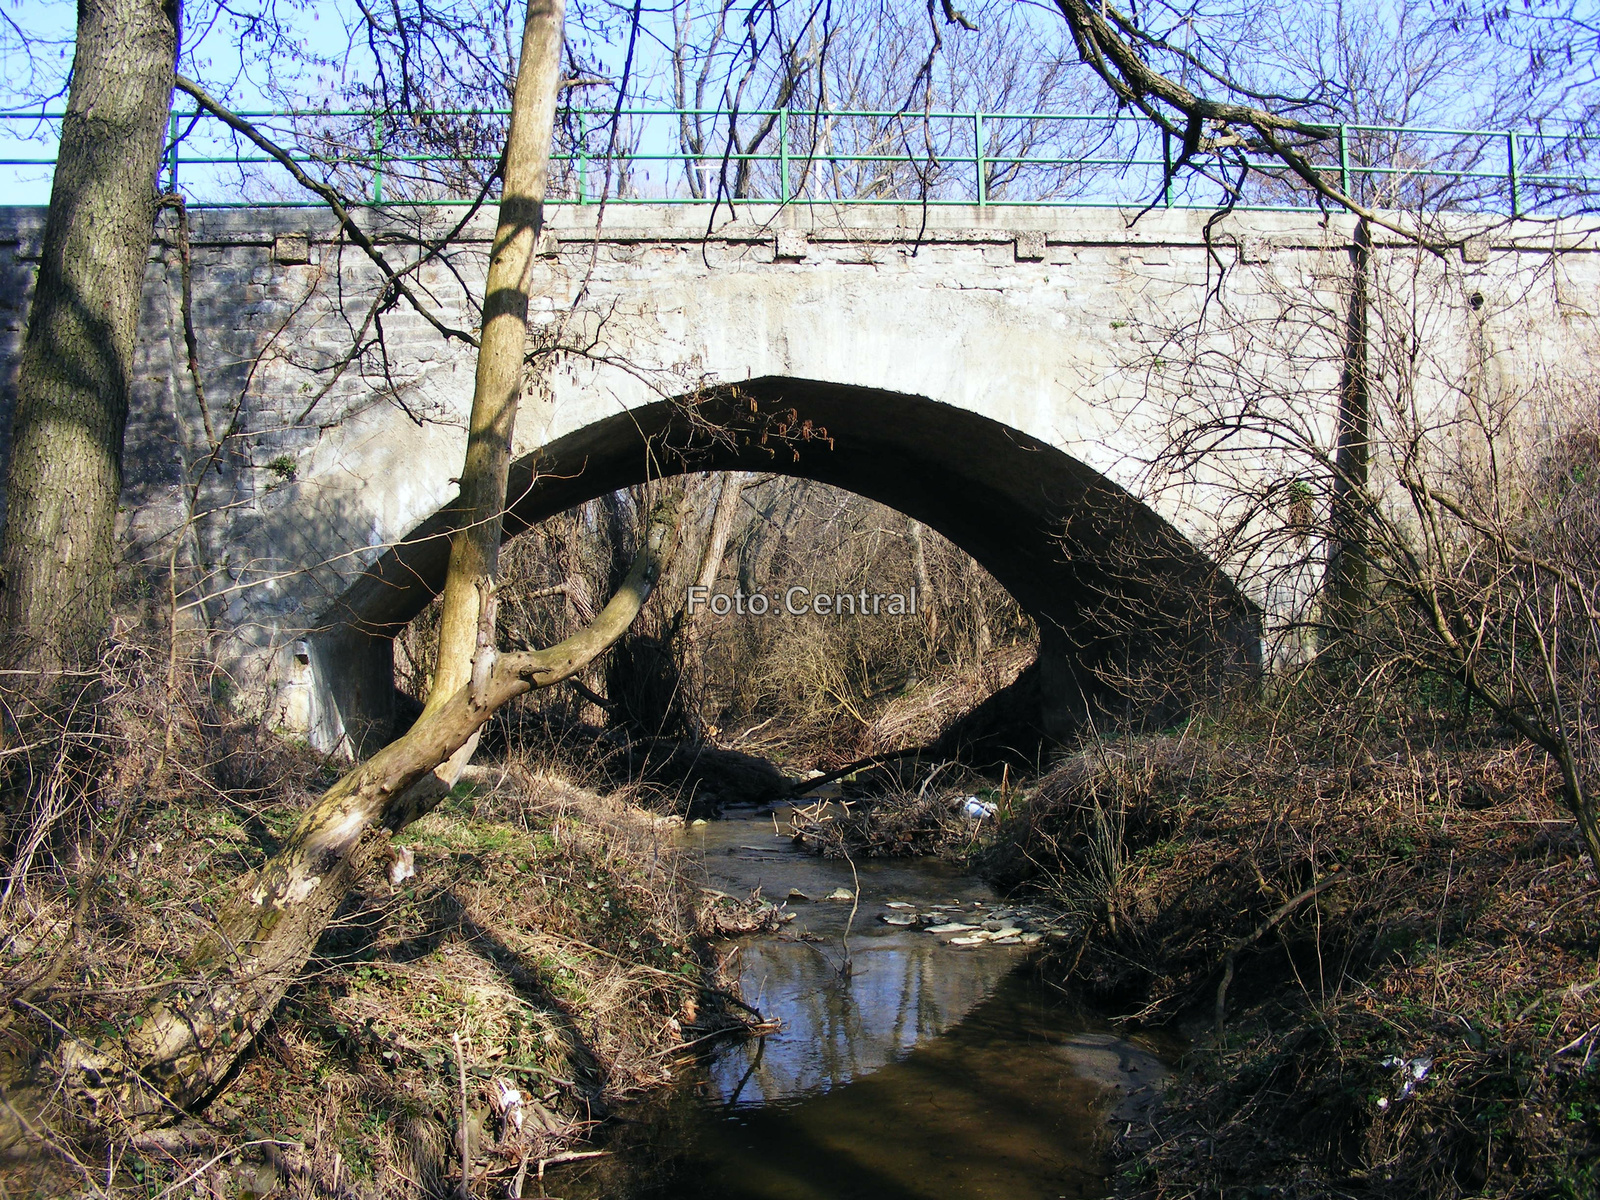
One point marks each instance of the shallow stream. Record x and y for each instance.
(924, 1070)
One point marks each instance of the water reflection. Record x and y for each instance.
(905, 989)
(904, 986)
(928, 1072)
(990, 1110)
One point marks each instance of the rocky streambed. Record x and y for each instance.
(977, 925)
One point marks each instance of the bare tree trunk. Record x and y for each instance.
(265, 931)
(729, 497)
(926, 600)
(77, 360)
(1346, 584)
(468, 609)
(982, 637)
(184, 1047)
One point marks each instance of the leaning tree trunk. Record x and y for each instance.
(502, 352)
(77, 359)
(730, 498)
(467, 621)
(184, 1047)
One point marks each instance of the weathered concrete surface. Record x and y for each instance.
(995, 372)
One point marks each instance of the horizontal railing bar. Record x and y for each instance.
(807, 201)
(878, 114)
(973, 156)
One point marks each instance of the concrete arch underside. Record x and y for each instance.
(1133, 619)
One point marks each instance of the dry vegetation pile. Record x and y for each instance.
(1388, 951)
(899, 813)
(548, 930)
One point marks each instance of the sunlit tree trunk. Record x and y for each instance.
(265, 930)
(467, 618)
(729, 498)
(926, 600)
(77, 360)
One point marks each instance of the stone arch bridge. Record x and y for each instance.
(995, 372)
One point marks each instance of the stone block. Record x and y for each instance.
(1255, 250)
(1030, 246)
(791, 246)
(291, 249)
(1475, 249)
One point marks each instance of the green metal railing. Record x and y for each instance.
(976, 158)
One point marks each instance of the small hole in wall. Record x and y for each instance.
(1475, 300)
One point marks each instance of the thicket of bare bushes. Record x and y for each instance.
(1441, 529)
(1370, 890)
(805, 690)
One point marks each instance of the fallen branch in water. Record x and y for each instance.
(861, 764)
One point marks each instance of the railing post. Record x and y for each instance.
(172, 154)
(977, 157)
(377, 158)
(783, 154)
(1344, 161)
(1166, 167)
(583, 162)
(1512, 171)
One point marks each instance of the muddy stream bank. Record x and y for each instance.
(930, 1064)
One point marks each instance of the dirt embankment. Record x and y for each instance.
(1386, 956)
(535, 955)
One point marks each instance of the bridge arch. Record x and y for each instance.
(1130, 613)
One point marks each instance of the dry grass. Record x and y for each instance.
(551, 929)
(1461, 928)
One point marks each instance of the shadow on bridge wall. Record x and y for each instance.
(1133, 620)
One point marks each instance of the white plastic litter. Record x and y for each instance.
(402, 865)
(506, 1101)
(1414, 1071)
(977, 809)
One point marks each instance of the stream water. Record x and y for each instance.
(925, 1070)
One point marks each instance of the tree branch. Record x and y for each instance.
(329, 196)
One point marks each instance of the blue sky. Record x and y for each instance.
(317, 61)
